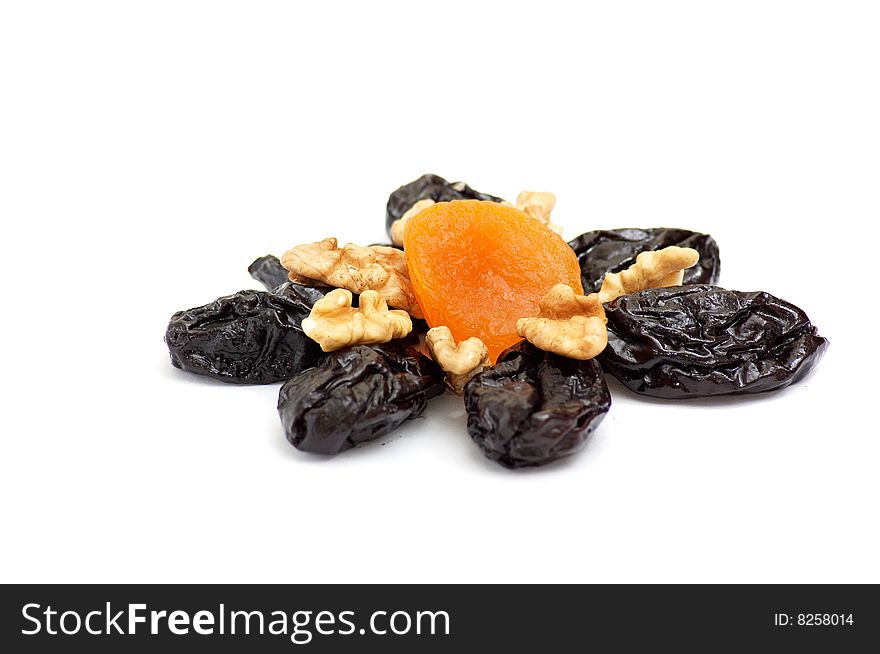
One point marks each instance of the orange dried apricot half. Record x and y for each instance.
(477, 267)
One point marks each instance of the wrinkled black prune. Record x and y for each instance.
(273, 276)
(612, 250)
(357, 395)
(431, 187)
(251, 337)
(268, 271)
(534, 407)
(306, 295)
(692, 341)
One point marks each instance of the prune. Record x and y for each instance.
(273, 276)
(251, 337)
(269, 272)
(431, 187)
(305, 295)
(698, 340)
(612, 250)
(357, 395)
(534, 407)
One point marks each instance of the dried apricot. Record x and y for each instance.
(477, 267)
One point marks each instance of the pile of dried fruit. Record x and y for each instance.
(485, 298)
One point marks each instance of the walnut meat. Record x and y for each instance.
(334, 324)
(568, 324)
(399, 226)
(355, 268)
(459, 361)
(574, 325)
(538, 205)
(653, 269)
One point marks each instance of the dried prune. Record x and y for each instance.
(698, 340)
(251, 337)
(268, 271)
(534, 407)
(305, 295)
(357, 395)
(613, 250)
(431, 187)
(274, 277)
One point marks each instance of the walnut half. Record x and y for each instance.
(355, 268)
(538, 205)
(573, 325)
(459, 361)
(568, 324)
(335, 324)
(652, 269)
(398, 227)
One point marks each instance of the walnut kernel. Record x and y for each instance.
(459, 361)
(398, 227)
(538, 205)
(355, 268)
(652, 269)
(335, 324)
(568, 324)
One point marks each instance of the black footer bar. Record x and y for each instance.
(428, 618)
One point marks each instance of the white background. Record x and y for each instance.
(149, 151)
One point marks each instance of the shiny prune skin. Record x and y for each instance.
(251, 337)
(305, 295)
(700, 340)
(612, 250)
(431, 187)
(268, 271)
(534, 407)
(274, 277)
(357, 395)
